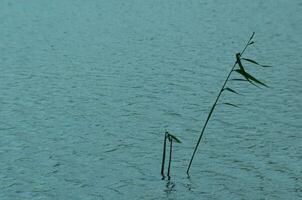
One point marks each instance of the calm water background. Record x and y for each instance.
(87, 89)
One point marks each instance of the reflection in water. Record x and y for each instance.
(170, 187)
(189, 184)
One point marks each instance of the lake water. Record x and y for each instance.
(87, 89)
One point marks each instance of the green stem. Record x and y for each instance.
(164, 157)
(214, 105)
(170, 158)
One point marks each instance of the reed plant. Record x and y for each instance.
(239, 68)
(168, 137)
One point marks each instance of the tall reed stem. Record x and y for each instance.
(170, 158)
(215, 103)
(164, 157)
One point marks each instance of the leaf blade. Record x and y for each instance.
(172, 137)
(255, 80)
(238, 61)
(254, 62)
(238, 79)
(231, 90)
(243, 73)
(251, 61)
(249, 77)
(230, 104)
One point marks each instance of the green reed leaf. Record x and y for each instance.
(252, 36)
(231, 90)
(243, 73)
(238, 79)
(238, 61)
(254, 62)
(230, 104)
(241, 79)
(249, 77)
(172, 137)
(255, 80)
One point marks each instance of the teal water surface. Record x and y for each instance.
(87, 89)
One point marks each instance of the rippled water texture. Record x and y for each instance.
(87, 89)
